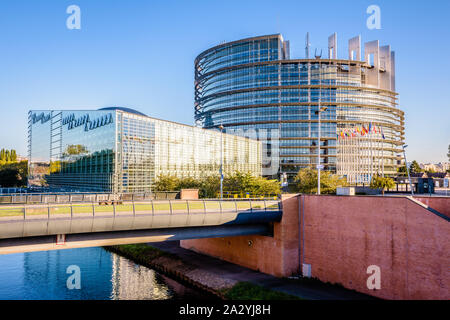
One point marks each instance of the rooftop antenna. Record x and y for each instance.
(316, 55)
(307, 46)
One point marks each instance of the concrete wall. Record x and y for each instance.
(278, 255)
(343, 236)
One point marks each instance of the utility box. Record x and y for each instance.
(345, 191)
(306, 270)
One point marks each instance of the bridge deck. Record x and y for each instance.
(18, 221)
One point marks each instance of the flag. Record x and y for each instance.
(370, 127)
(382, 134)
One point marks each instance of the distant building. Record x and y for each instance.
(122, 150)
(424, 181)
(438, 167)
(21, 158)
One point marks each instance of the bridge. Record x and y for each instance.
(49, 226)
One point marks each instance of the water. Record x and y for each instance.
(103, 276)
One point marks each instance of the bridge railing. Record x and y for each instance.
(36, 198)
(152, 207)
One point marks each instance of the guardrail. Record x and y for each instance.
(30, 198)
(247, 195)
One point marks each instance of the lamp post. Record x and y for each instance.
(319, 166)
(221, 162)
(407, 169)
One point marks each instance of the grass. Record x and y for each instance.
(139, 253)
(250, 291)
(321, 284)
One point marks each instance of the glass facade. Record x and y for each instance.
(251, 84)
(120, 150)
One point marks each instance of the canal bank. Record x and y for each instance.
(226, 280)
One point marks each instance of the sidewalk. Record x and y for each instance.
(232, 274)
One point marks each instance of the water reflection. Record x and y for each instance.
(135, 282)
(104, 276)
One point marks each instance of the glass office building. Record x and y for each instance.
(253, 88)
(121, 150)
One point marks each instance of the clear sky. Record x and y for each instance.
(140, 54)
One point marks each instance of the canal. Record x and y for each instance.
(100, 274)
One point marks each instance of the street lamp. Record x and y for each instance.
(221, 162)
(407, 169)
(319, 166)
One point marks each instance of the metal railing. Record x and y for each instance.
(247, 195)
(30, 198)
(133, 208)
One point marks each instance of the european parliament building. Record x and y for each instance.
(121, 150)
(253, 88)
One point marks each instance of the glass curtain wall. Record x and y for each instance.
(282, 96)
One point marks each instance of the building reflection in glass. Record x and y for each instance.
(120, 150)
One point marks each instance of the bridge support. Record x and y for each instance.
(82, 240)
(277, 255)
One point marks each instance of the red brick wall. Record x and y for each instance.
(277, 255)
(441, 204)
(189, 194)
(345, 235)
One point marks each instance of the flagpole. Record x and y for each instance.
(382, 150)
(371, 154)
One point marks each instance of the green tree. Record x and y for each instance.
(13, 155)
(188, 183)
(14, 174)
(402, 170)
(8, 156)
(414, 167)
(306, 180)
(239, 181)
(75, 149)
(267, 186)
(209, 186)
(379, 182)
(246, 182)
(166, 183)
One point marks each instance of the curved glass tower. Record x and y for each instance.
(253, 88)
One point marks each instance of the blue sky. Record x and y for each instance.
(140, 54)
